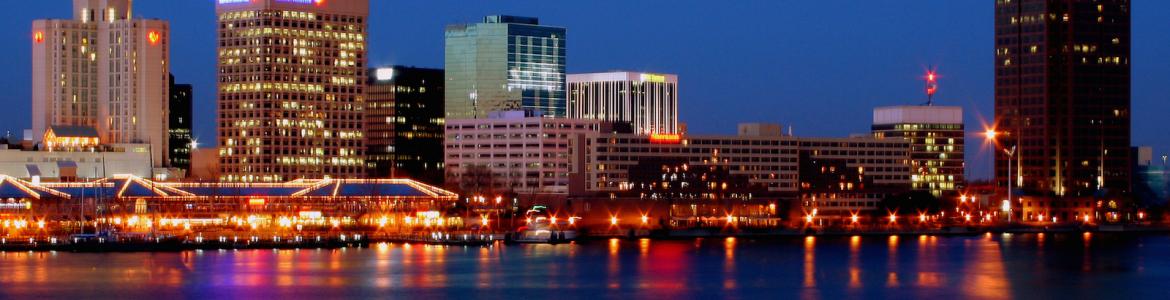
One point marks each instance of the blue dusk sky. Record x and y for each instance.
(819, 66)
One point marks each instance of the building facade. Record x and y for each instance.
(1062, 100)
(94, 162)
(404, 123)
(937, 140)
(106, 70)
(604, 164)
(180, 120)
(516, 151)
(649, 102)
(291, 89)
(504, 63)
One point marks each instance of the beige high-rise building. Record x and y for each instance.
(105, 70)
(291, 89)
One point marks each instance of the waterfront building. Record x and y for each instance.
(512, 151)
(504, 63)
(106, 70)
(1062, 100)
(404, 123)
(937, 140)
(180, 120)
(291, 89)
(648, 101)
(605, 165)
(290, 210)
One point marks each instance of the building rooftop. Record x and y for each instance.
(920, 114)
(136, 187)
(73, 131)
(511, 19)
(622, 76)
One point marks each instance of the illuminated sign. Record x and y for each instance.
(383, 74)
(233, 1)
(653, 77)
(39, 37)
(317, 2)
(663, 138)
(153, 37)
(256, 202)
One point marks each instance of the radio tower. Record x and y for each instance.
(931, 86)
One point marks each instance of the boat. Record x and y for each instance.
(545, 228)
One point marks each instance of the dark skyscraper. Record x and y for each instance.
(179, 131)
(1062, 99)
(404, 123)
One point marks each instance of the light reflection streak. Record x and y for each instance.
(810, 262)
(614, 268)
(729, 281)
(985, 276)
(855, 262)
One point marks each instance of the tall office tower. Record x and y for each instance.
(404, 123)
(936, 139)
(649, 102)
(105, 70)
(505, 63)
(1062, 99)
(292, 77)
(180, 119)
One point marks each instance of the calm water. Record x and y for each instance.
(990, 266)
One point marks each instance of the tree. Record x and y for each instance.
(910, 202)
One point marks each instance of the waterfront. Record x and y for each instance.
(981, 267)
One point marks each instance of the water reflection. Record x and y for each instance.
(810, 261)
(855, 262)
(983, 267)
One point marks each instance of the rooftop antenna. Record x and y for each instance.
(931, 85)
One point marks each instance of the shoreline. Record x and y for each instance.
(180, 244)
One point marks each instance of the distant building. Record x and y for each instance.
(504, 63)
(404, 123)
(648, 101)
(937, 140)
(1062, 99)
(516, 151)
(1151, 184)
(291, 89)
(105, 70)
(180, 119)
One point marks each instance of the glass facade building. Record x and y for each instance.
(504, 63)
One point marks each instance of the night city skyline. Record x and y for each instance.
(608, 149)
(795, 78)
